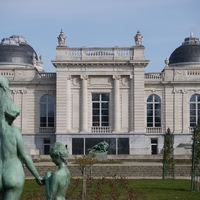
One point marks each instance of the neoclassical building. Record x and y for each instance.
(103, 94)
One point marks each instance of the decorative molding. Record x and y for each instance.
(76, 81)
(84, 77)
(18, 91)
(117, 77)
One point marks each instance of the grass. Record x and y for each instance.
(120, 189)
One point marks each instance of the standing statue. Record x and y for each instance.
(58, 182)
(12, 149)
(61, 38)
(138, 38)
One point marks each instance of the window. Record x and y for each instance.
(194, 109)
(100, 109)
(47, 108)
(153, 111)
(154, 146)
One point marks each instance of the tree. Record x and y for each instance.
(85, 161)
(168, 155)
(195, 157)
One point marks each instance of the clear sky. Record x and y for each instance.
(164, 25)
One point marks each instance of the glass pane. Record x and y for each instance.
(149, 112)
(198, 97)
(105, 124)
(43, 99)
(157, 124)
(50, 99)
(150, 98)
(154, 141)
(104, 105)
(192, 112)
(51, 113)
(193, 98)
(193, 119)
(95, 119)
(157, 106)
(95, 105)
(42, 113)
(192, 106)
(123, 145)
(156, 98)
(149, 106)
(149, 124)
(43, 106)
(77, 146)
(149, 119)
(157, 119)
(105, 97)
(104, 112)
(157, 112)
(104, 118)
(95, 112)
(95, 97)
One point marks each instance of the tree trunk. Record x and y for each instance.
(83, 183)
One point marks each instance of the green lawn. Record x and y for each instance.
(138, 189)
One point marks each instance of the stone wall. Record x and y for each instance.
(125, 171)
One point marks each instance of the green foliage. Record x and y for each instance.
(85, 160)
(195, 158)
(168, 157)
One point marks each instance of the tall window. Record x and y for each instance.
(47, 109)
(194, 109)
(153, 111)
(100, 109)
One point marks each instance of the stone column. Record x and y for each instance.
(24, 112)
(68, 101)
(186, 124)
(176, 116)
(116, 102)
(131, 121)
(84, 109)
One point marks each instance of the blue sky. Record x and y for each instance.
(105, 23)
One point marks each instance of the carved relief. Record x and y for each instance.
(76, 81)
(157, 92)
(125, 81)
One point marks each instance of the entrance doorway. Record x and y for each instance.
(46, 146)
(154, 146)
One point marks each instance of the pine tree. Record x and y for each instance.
(168, 155)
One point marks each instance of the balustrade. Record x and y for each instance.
(101, 129)
(153, 76)
(154, 130)
(46, 75)
(47, 129)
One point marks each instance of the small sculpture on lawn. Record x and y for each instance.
(12, 149)
(100, 148)
(58, 182)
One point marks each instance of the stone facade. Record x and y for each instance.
(120, 74)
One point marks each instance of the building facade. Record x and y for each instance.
(103, 94)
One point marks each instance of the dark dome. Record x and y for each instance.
(15, 50)
(188, 52)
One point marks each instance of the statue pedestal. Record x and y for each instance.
(101, 157)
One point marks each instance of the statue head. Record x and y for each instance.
(59, 151)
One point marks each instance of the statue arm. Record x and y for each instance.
(25, 156)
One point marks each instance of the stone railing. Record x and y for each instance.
(100, 129)
(156, 130)
(47, 129)
(48, 76)
(95, 53)
(153, 76)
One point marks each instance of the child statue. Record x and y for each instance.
(58, 182)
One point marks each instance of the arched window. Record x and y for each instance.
(153, 111)
(194, 109)
(47, 111)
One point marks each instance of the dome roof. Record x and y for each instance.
(15, 50)
(187, 53)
